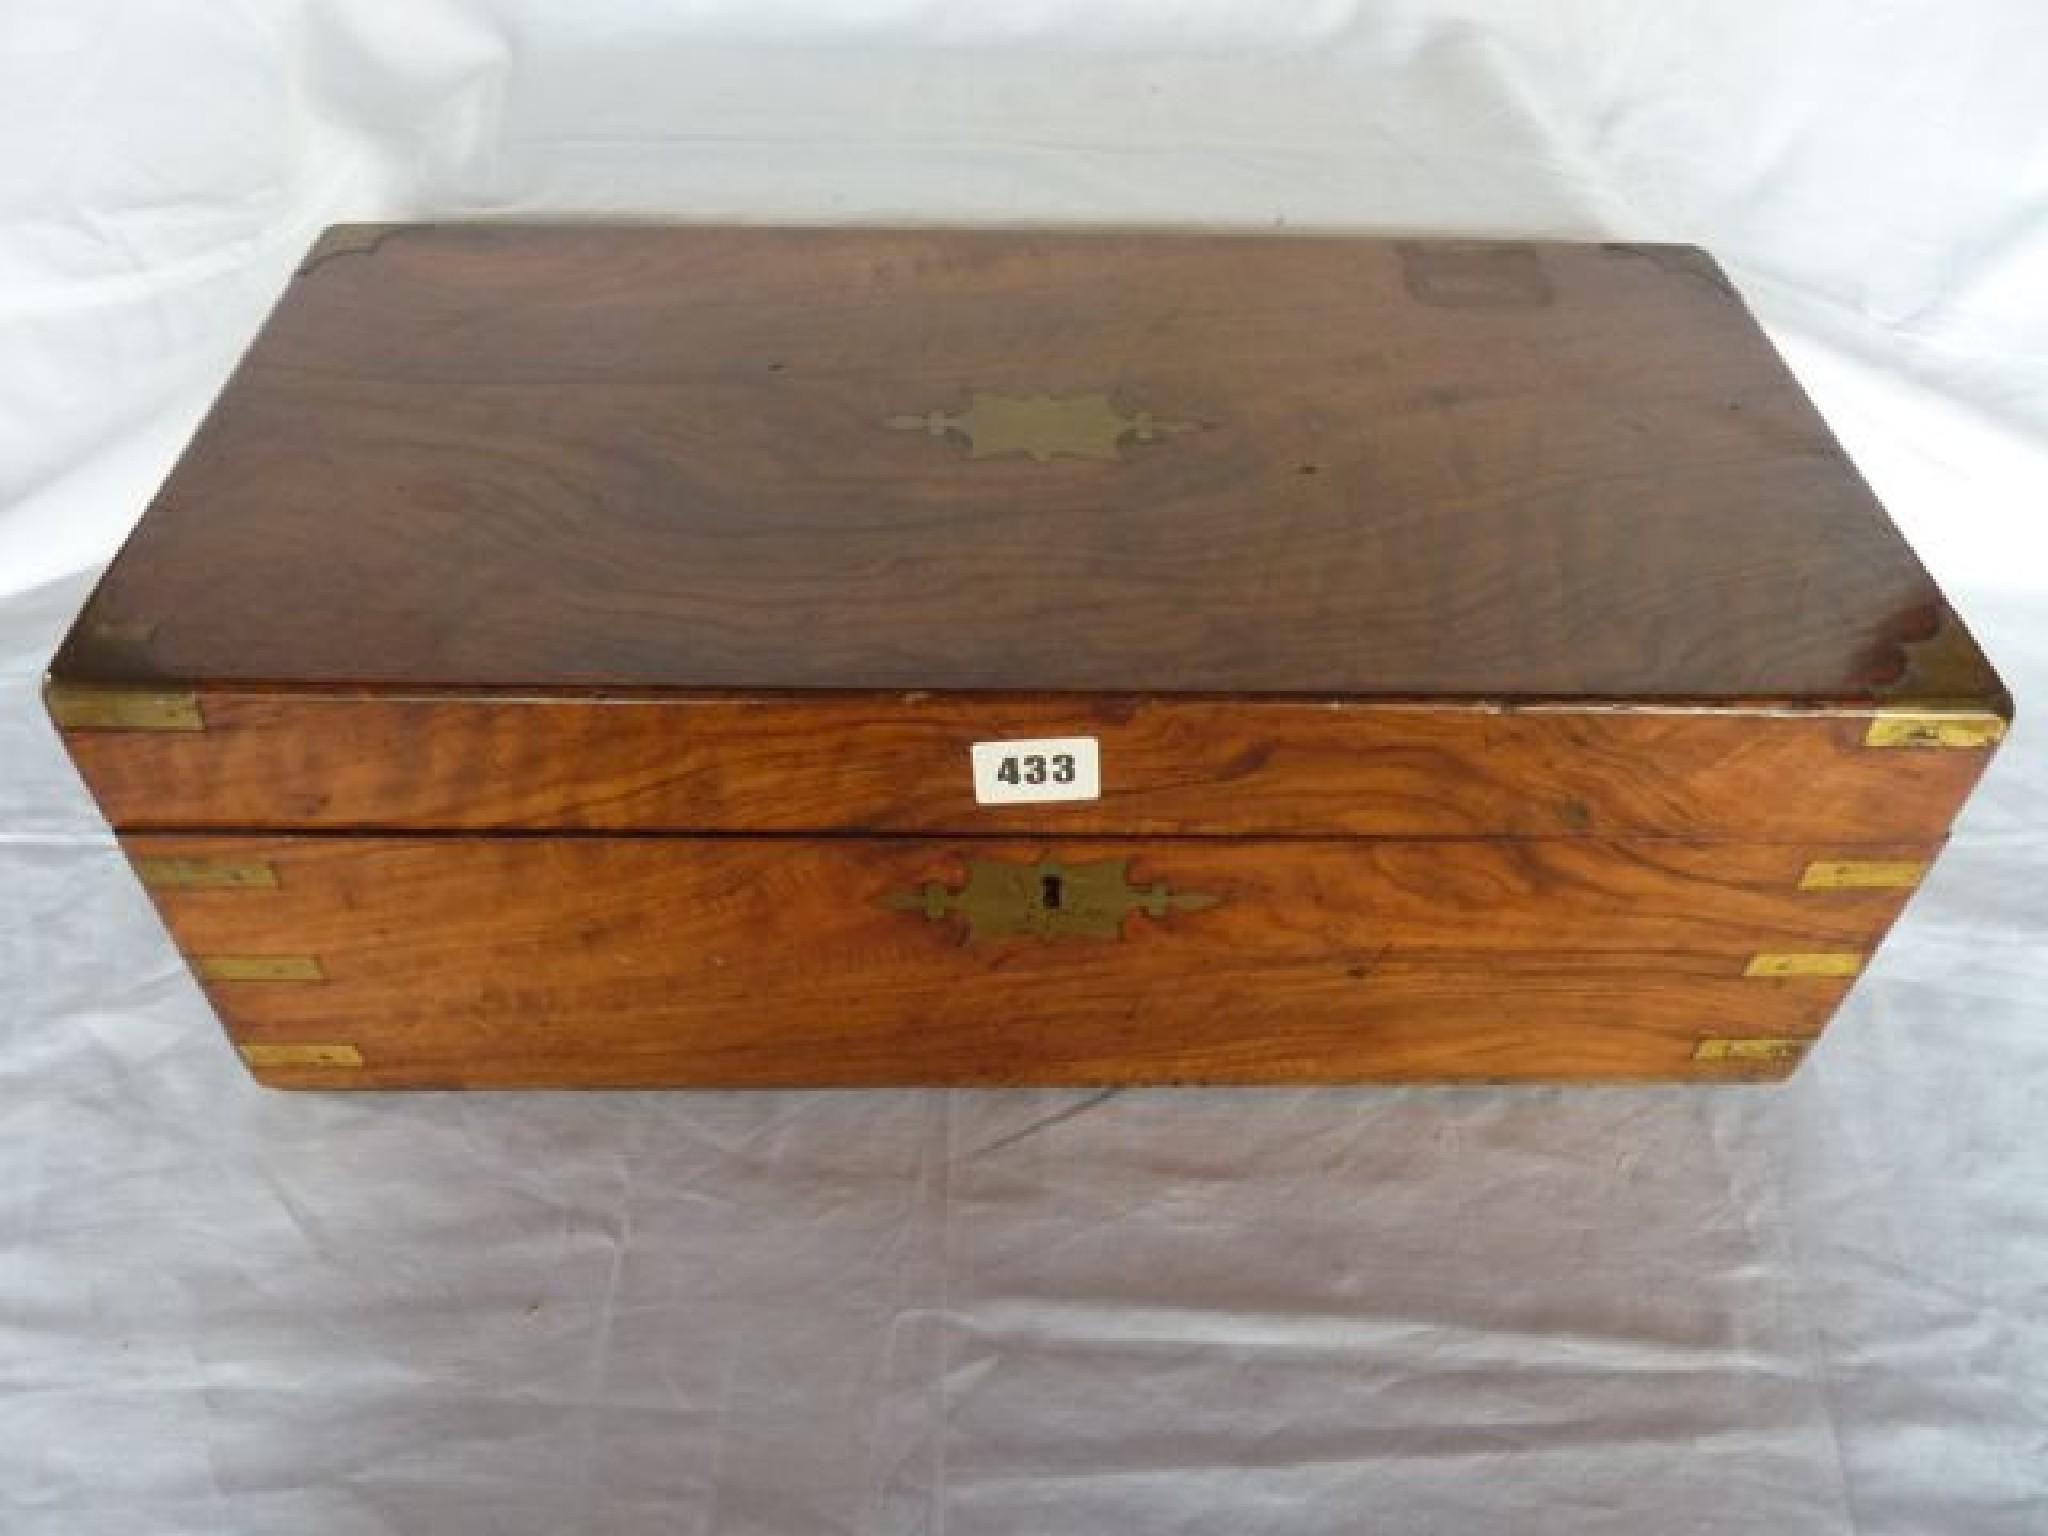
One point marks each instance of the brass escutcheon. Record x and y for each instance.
(1046, 900)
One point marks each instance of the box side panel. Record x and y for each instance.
(599, 961)
(237, 760)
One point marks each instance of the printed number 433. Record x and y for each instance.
(1036, 768)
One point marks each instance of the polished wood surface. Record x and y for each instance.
(321, 760)
(637, 961)
(485, 455)
(571, 637)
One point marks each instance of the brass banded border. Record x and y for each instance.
(1863, 874)
(1921, 728)
(83, 707)
(1754, 1050)
(301, 1055)
(162, 873)
(258, 968)
(1842, 963)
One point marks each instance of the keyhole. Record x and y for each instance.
(1049, 892)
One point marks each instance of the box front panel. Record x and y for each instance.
(645, 961)
(305, 760)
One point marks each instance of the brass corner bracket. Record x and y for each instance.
(171, 873)
(261, 1056)
(1862, 874)
(1833, 963)
(1929, 728)
(1751, 1051)
(258, 967)
(90, 707)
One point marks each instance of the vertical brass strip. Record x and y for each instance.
(1813, 965)
(1862, 874)
(258, 968)
(81, 707)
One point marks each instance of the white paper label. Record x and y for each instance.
(1031, 772)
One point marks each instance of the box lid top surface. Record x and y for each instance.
(492, 456)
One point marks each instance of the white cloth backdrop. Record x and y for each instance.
(1821, 1309)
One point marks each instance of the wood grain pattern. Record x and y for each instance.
(473, 456)
(482, 962)
(575, 634)
(350, 762)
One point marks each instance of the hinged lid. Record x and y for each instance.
(812, 504)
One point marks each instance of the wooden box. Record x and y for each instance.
(633, 656)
